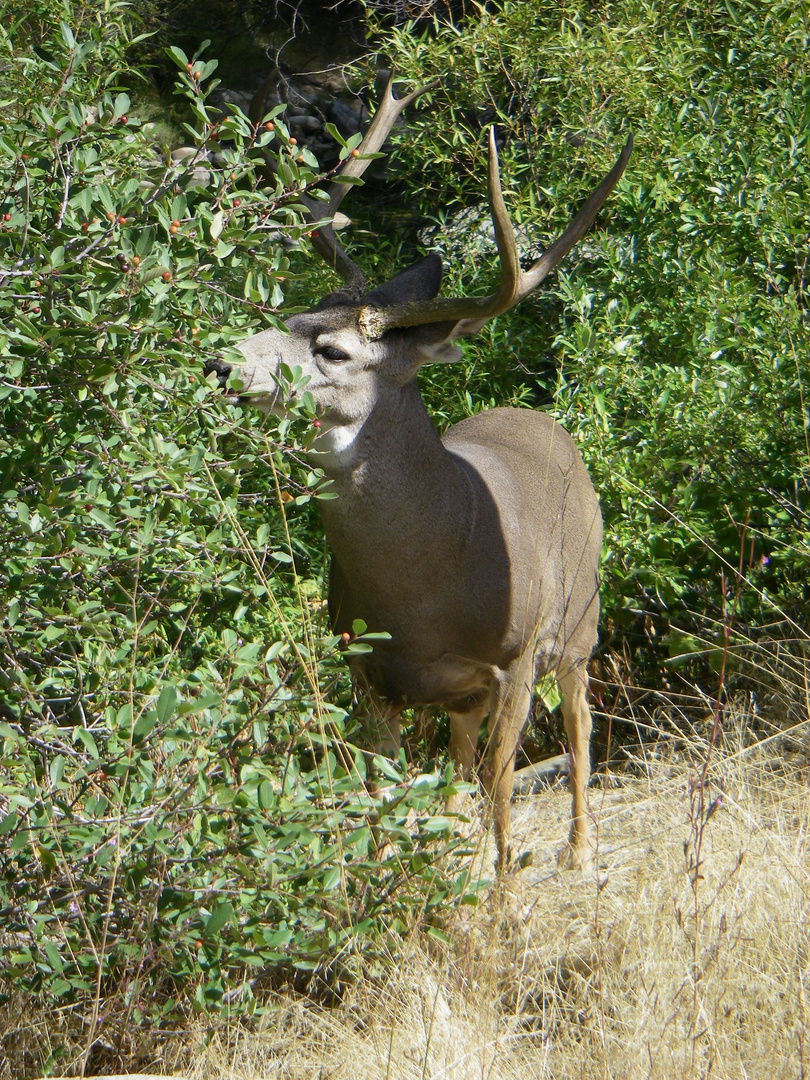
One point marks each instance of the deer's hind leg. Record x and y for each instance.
(573, 682)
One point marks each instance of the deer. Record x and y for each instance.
(476, 552)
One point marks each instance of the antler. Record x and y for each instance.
(324, 240)
(471, 312)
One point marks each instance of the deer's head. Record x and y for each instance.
(348, 367)
(359, 345)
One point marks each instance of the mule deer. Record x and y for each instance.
(477, 552)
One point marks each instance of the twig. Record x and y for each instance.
(66, 173)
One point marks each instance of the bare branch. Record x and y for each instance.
(64, 168)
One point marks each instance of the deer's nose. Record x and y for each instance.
(222, 369)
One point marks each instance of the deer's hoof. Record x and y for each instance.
(577, 857)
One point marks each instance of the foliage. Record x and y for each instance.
(181, 815)
(674, 344)
(180, 810)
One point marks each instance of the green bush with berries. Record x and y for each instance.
(181, 806)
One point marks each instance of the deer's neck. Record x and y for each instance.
(397, 487)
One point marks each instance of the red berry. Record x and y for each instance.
(316, 423)
(6, 217)
(173, 229)
(237, 202)
(110, 215)
(293, 142)
(24, 157)
(189, 67)
(269, 126)
(166, 275)
(85, 226)
(123, 119)
(35, 309)
(196, 74)
(122, 221)
(191, 378)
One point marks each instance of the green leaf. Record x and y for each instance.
(67, 34)
(221, 914)
(144, 724)
(178, 56)
(166, 703)
(52, 953)
(56, 769)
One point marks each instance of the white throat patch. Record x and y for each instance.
(336, 442)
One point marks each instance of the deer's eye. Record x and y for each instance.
(329, 352)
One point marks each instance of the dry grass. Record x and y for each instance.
(642, 975)
(645, 973)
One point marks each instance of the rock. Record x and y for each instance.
(310, 125)
(344, 117)
(229, 101)
(200, 178)
(183, 153)
(542, 774)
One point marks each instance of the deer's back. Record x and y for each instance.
(550, 522)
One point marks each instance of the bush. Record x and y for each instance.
(180, 811)
(673, 345)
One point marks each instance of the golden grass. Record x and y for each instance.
(640, 975)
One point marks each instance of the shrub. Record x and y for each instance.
(673, 346)
(180, 811)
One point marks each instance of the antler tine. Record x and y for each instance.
(378, 131)
(471, 312)
(324, 241)
(511, 273)
(578, 227)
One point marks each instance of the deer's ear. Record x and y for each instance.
(434, 343)
(416, 283)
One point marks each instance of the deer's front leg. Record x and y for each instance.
(378, 717)
(511, 698)
(464, 728)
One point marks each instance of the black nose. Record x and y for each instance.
(222, 369)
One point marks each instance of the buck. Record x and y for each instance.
(477, 552)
